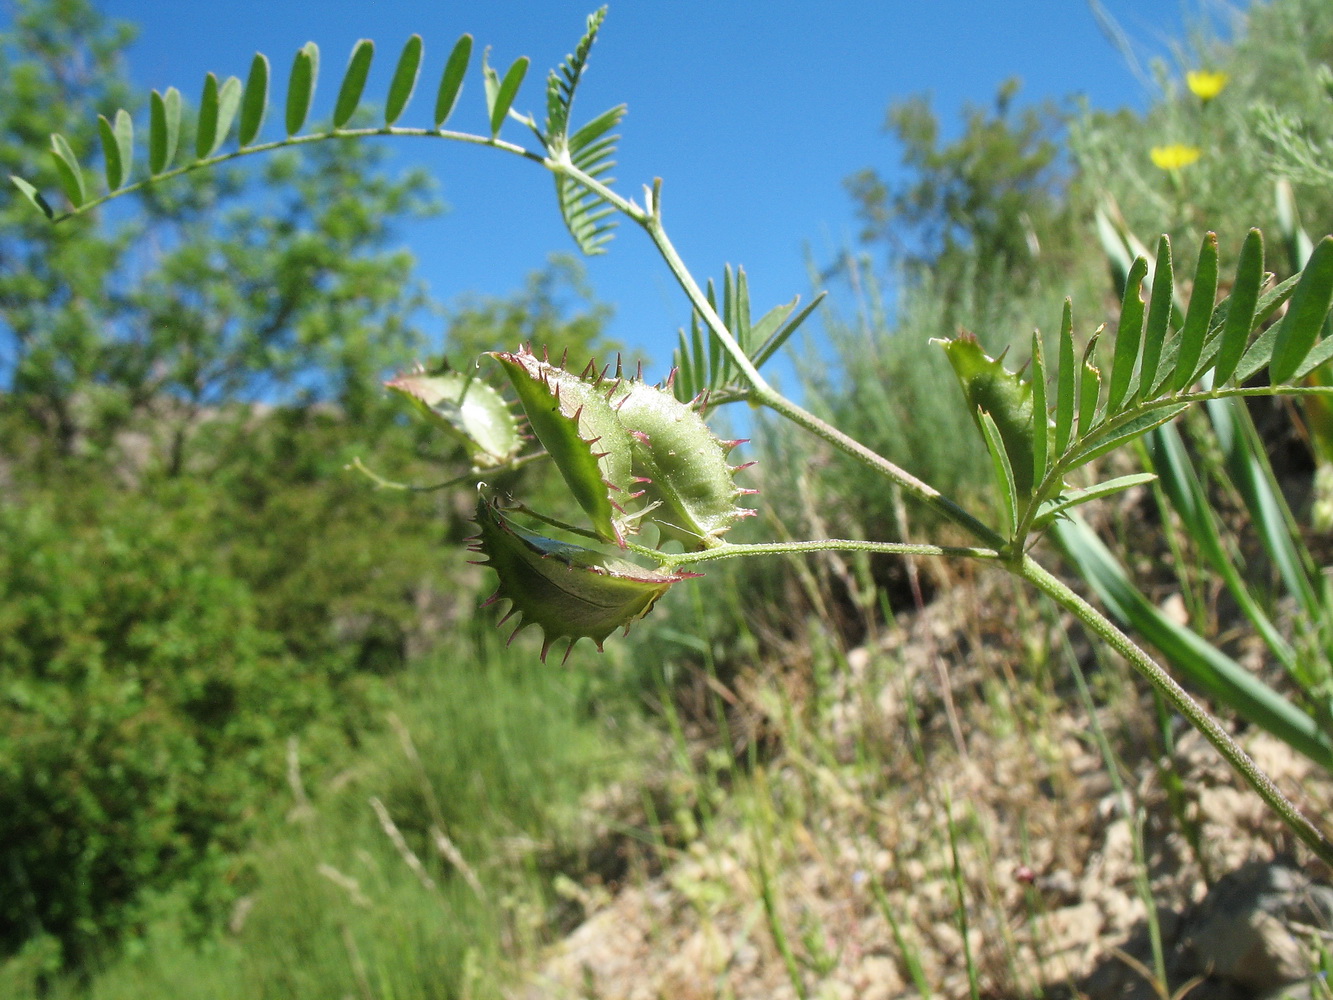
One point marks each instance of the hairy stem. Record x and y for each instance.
(1103, 628)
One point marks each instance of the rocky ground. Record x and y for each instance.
(939, 827)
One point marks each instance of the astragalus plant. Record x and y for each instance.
(653, 485)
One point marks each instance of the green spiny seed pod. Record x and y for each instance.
(680, 463)
(573, 421)
(568, 591)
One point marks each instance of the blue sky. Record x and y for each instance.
(752, 113)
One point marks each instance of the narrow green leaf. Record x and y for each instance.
(774, 342)
(1089, 389)
(164, 129)
(115, 167)
(1198, 317)
(34, 196)
(683, 364)
(1073, 498)
(1041, 419)
(1240, 312)
(715, 362)
(1108, 438)
(451, 83)
(1065, 381)
(67, 166)
(1002, 469)
(596, 128)
(404, 80)
(123, 127)
(229, 102)
(506, 92)
(1128, 337)
(1159, 320)
(254, 104)
(1261, 351)
(354, 82)
(206, 129)
(1319, 356)
(301, 86)
(1305, 315)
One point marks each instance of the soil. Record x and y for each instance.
(937, 828)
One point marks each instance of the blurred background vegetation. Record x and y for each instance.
(255, 738)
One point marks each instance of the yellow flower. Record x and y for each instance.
(1206, 84)
(1175, 156)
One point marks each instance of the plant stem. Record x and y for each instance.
(731, 550)
(1030, 570)
(1019, 563)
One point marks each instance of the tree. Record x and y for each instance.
(990, 203)
(215, 294)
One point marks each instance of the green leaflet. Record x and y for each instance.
(470, 409)
(991, 389)
(568, 591)
(572, 419)
(683, 467)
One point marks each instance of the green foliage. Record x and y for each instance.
(981, 209)
(141, 696)
(994, 195)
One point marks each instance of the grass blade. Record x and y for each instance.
(1159, 320)
(451, 83)
(1128, 337)
(301, 86)
(255, 102)
(1197, 318)
(1305, 315)
(1240, 312)
(67, 166)
(404, 80)
(354, 82)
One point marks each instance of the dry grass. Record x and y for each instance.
(940, 819)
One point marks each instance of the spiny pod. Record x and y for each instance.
(568, 591)
(683, 468)
(570, 416)
(1006, 396)
(469, 409)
